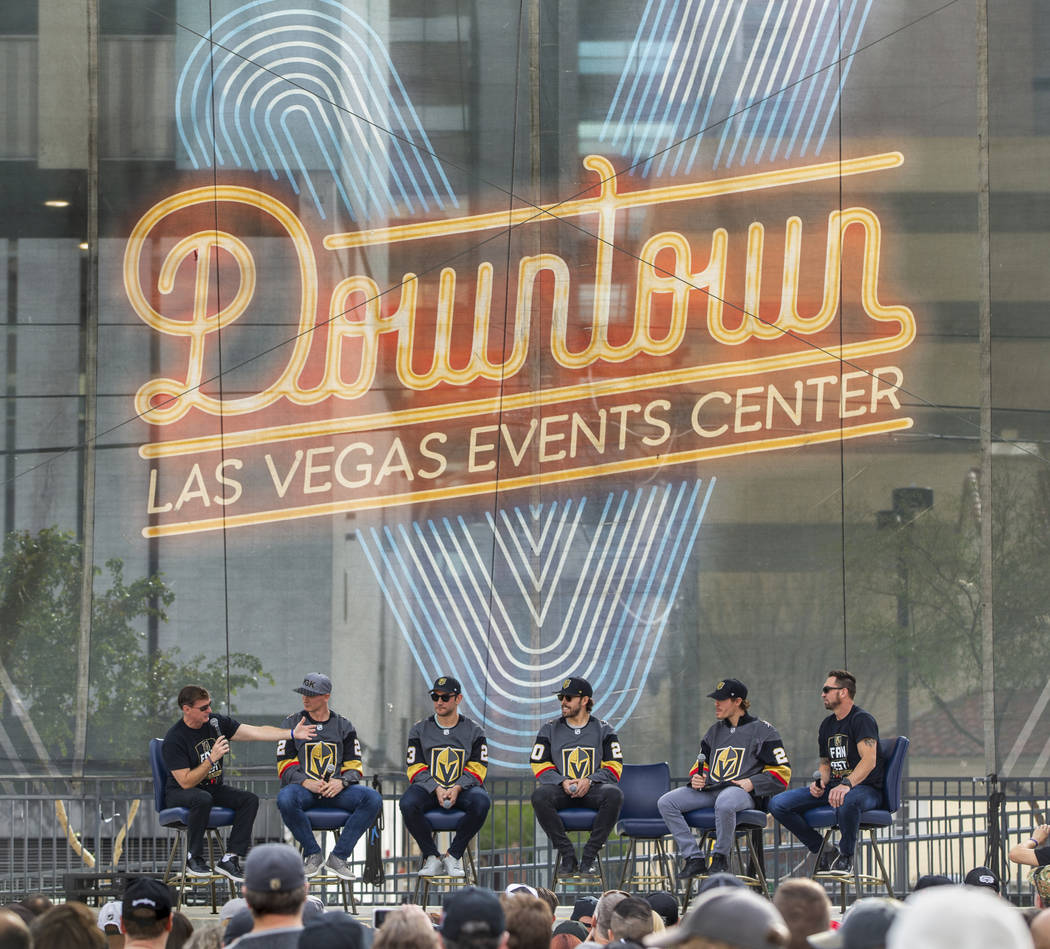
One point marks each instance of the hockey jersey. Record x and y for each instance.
(439, 756)
(333, 752)
(565, 751)
(752, 749)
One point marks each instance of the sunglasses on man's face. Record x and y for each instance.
(831, 688)
(564, 696)
(441, 696)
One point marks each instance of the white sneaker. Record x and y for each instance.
(454, 866)
(432, 867)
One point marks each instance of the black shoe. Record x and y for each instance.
(827, 857)
(231, 868)
(568, 866)
(718, 864)
(692, 867)
(196, 867)
(843, 865)
(588, 865)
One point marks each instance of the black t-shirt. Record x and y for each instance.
(186, 747)
(840, 744)
(1042, 855)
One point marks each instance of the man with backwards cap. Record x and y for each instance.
(324, 771)
(446, 762)
(473, 918)
(145, 914)
(275, 890)
(742, 762)
(193, 752)
(578, 762)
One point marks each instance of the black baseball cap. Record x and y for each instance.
(446, 684)
(316, 683)
(665, 905)
(147, 899)
(729, 689)
(574, 685)
(472, 906)
(333, 930)
(585, 908)
(982, 876)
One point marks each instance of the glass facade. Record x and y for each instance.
(651, 343)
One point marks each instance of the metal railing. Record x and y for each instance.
(50, 828)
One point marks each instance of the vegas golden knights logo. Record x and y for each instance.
(838, 750)
(577, 762)
(320, 759)
(725, 765)
(446, 765)
(204, 750)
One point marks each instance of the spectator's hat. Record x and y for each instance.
(664, 905)
(716, 880)
(273, 868)
(729, 689)
(316, 683)
(109, 915)
(146, 899)
(472, 911)
(584, 909)
(963, 917)
(447, 684)
(932, 879)
(520, 889)
(982, 876)
(575, 685)
(729, 914)
(335, 930)
(571, 927)
(863, 927)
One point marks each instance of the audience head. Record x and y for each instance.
(406, 927)
(718, 880)
(14, 932)
(571, 927)
(982, 876)
(665, 904)
(1039, 927)
(632, 919)
(727, 916)
(274, 881)
(145, 910)
(334, 930)
(206, 937)
(932, 879)
(863, 927)
(180, 932)
(67, 926)
(528, 921)
(472, 919)
(37, 904)
(565, 941)
(806, 910)
(958, 917)
(583, 910)
(550, 898)
(608, 901)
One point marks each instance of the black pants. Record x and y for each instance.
(200, 801)
(474, 801)
(606, 799)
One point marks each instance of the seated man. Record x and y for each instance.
(324, 772)
(447, 760)
(577, 762)
(742, 762)
(193, 751)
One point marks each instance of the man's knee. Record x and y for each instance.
(543, 794)
(777, 806)
(611, 794)
(288, 799)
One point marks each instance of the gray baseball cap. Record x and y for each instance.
(863, 927)
(316, 683)
(728, 914)
(273, 868)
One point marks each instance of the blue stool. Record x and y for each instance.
(446, 821)
(332, 819)
(747, 821)
(578, 820)
(174, 818)
(640, 822)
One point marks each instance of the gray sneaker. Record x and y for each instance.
(339, 867)
(312, 864)
(454, 866)
(432, 867)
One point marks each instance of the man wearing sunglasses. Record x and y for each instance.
(578, 762)
(193, 752)
(324, 771)
(851, 772)
(446, 762)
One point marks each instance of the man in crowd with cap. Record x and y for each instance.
(729, 918)
(145, 914)
(865, 926)
(275, 890)
(446, 761)
(851, 773)
(665, 905)
(193, 753)
(742, 762)
(578, 762)
(982, 876)
(472, 918)
(324, 771)
(806, 910)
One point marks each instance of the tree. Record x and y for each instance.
(131, 691)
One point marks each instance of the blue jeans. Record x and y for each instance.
(725, 802)
(788, 808)
(361, 804)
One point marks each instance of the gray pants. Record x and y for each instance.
(725, 802)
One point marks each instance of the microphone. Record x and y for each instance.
(214, 722)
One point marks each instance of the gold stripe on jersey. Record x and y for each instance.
(615, 767)
(352, 764)
(414, 769)
(780, 771)
(538, 769)
(283, 764)
(477, 769)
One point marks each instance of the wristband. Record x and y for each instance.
(1035, 843)
(847, 782)
(291, 733)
